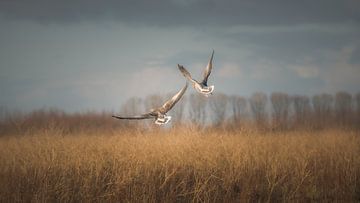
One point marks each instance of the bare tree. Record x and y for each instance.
(357, 98)
(197, 108)
(258, 104)
(2, 113)
(280, 104)
(323, 106)
(238, 107)
(302, 109)
(153, 101)
(343, 107)
(178, 110)
(133, 106)
(218, 103)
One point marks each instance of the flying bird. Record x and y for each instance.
(159, 113)
(202, 87)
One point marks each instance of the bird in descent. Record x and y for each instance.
(159, 114)
(202, 87)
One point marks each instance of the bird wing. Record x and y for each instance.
(208, 70)
(144, 116)
(186, 73)
(171, 102)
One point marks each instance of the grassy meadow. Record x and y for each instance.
(181, 164)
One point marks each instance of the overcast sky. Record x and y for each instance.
(92, 55)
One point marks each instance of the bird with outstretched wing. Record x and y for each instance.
(159, 113)
(202, 87)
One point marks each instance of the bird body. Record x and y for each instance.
(205, 90)
(164, 119)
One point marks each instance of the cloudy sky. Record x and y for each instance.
(92, 55)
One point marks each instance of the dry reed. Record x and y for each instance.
(180, 165)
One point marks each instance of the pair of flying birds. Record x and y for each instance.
(159, 114)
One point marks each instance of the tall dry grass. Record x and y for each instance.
(181, 165)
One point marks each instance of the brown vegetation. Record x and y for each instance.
(180, 165)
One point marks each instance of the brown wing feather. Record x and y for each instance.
(208, 70)
(186, 73)
(171, 102)
(144, 116)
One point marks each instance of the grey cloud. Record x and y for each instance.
(355, 57)
(192, 13)
(294, 43)
(92, 54)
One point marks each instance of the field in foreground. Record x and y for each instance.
(180, 165)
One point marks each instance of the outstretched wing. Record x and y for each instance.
(144, 116)
(186, 73)
(171, 102)
(208, 70)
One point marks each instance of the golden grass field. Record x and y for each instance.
(180, 165)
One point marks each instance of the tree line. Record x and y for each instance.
(275, 111)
